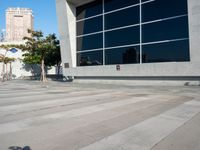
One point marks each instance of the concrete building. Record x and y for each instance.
(132, 38)
(18, 68)
(18, 21)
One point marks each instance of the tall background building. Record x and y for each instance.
(18, 21)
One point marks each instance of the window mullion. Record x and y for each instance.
(140, 31)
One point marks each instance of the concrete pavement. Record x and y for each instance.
(72, 116)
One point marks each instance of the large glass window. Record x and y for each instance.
(117, 4)
(166, 52)
(165, 30)
(90, 42)
(90, 25)
(90, 9)
(159, 9)
(90, 58)
(120, 37)
(115, 35)
(144, 0)
(126, 55)
(122, 18)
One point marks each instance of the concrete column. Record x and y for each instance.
(66, 14)
(194, 29)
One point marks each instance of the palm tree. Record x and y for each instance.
(3, 58)
(5, 61)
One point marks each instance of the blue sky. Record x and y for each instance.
(44, 13)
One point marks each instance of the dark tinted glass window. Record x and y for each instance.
(90, 58)
(125, 36)
(122, 18)
(165, 30)
(116, 4)
(166, 52)
(90, 9)
(144, 0)
(159, 9)
(90, 42)
(127, 55)
(90, 25)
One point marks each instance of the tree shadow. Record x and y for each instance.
(33, 68)
(19, 148)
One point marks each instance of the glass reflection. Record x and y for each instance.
(160, 9)
(90, 42)
(116, 4)
(90, 25)
(90, 9)
(166, 52)
(127, 17)
(127, 55)
(93, 58)
(165, 30)
(152, 32)
(120, 37)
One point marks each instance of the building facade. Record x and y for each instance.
(18, 68)
(18, 21)
(132, 38)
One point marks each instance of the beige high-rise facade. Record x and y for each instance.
(18, 21)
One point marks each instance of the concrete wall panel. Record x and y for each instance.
(194, 29)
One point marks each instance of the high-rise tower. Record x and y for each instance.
(18, 21)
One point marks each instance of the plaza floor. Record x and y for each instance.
(72, 116)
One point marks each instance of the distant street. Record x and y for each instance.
(72, 116)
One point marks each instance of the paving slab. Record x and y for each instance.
(73, 116)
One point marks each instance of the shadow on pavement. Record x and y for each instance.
(19, 148)
(59, 78)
